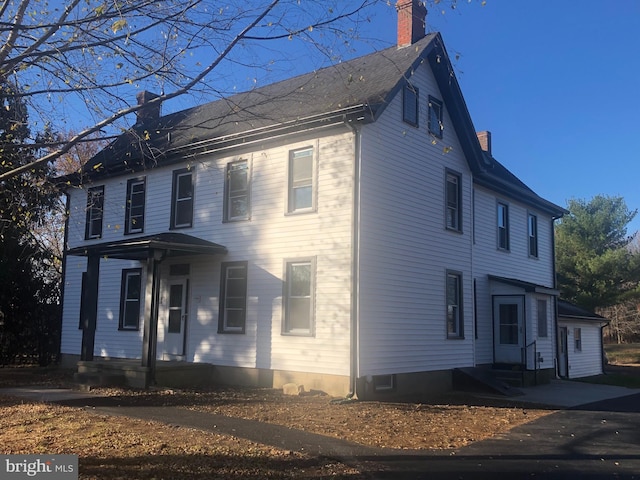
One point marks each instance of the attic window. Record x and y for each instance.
(410, 105)
(435, 117)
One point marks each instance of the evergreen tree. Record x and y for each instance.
(595, 266)
(29, 297)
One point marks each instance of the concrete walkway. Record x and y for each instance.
(566, 393)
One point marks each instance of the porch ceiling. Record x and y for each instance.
(141, 248)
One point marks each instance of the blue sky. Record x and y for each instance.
(557, 82)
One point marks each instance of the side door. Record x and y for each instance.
(509, 332)
(563, 359)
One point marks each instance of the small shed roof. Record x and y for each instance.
(570, 311)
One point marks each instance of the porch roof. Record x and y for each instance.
(141, 248)
(527, 286)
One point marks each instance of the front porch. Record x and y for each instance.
(128, 372)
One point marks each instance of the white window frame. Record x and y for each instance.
(532, 235)
(231, 195)
(127, 274)
(453, 211)
(95, 212)
(134, 222)
(577, 339)
(225, 299)
(294, 184)
(543, 318)
(454, 309)
(179, 202)
(502, 225)
(289, 296)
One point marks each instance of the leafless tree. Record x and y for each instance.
(88, 58)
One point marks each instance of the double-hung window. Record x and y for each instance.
(95, 213)
(577, 339)
(298, 297)
(182, 199)
(233, 298)
(453, 212)
(542, 319)
(134, 215)
(410, 102)
(435, 117)
(532, 228)
(237, 206)
(301, 180)
(454, 305)
(503, 226)
(130, 299)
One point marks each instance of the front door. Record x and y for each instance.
(562, 353)
(508, 321)
(175, 324)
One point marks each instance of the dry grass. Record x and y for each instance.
(623, 354)
(115, 447)
(111, 448)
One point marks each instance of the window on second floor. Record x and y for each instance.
(237, 206)
(182, 199)
(95, 212)
(435, 117)
(410, 105)
(503, 226)
(454, 305)
(301, 181)
(130, 299)
(453, 212)
(134, 216)
(532, 228)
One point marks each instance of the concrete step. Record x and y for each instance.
(482, 379)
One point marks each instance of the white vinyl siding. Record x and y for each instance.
(405, 249)
(487, 260)
(588, 361)
(264, 242)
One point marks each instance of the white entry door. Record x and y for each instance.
(175, 322)
(508, 321)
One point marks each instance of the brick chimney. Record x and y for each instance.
(485, 141)
(147, 113)
(412, 21)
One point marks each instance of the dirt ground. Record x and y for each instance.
(452, 421)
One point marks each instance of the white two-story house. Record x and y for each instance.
(345, 230)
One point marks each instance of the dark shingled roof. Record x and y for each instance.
(360, 87)
(357, 90)
(140, 248)
(569, 310)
